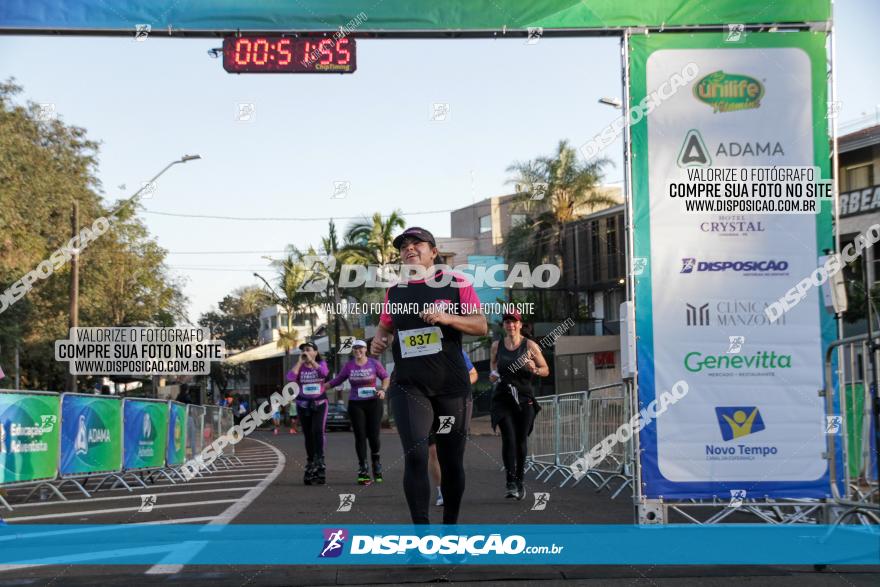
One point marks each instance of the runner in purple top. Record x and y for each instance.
(311, 406)
(368, 379)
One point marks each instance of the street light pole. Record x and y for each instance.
(131, 198)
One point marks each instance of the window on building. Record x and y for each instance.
(611, 245)
(859, 176)
(265, 323)
(595, 250)
(517, 219)
(282, 320)
(613, 299)
(485, 223)
(274, 321)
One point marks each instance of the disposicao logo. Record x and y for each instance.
(727, 92)
(738, 421)
(334, 540)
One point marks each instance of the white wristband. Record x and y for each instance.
(495, 374)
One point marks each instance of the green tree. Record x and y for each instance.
(46, 166)
(571, 189)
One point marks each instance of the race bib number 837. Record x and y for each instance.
(420, 341)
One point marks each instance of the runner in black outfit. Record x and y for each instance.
(430, 381)
(515, 359)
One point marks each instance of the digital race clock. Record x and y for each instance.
(269, 54)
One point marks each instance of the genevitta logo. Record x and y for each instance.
(334, 541)
(750, 268)
(759, 363)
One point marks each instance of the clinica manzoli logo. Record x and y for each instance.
(728, 92)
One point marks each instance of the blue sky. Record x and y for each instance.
(148, 103)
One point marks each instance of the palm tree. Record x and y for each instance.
(570, 188)
(370, 241)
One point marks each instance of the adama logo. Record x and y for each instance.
(727, 92)
(334, 540)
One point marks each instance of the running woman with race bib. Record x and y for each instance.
(311, 407)
(423, 320)
(369, 380)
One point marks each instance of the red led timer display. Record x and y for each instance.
(265, 54)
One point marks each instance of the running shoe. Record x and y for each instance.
(293, 431)
(520, 491)
(512, 492)
(309, 475)
(363, 475)
(320, 472)
(439, 502)
(377, 470)
(275, 432)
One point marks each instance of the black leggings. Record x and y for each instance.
(416, 415)
(366, 419)
(313, 422)
(515, 427)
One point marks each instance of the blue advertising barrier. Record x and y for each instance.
(525, 544)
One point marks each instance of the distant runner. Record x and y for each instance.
(430, 377)
(311, 407)
(514, 361)
(369, 380)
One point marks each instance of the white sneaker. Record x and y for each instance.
(439, 501)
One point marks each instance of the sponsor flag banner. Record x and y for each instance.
(91, 434)
(146, 433)
(385, 544)
(29, 430)
(753, 420)
(176, 445)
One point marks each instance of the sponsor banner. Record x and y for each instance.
(521, 544)
(30, 425)
(753, 420)
(91, 434)
(175, 453)
(146, 433)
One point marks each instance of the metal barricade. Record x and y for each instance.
(849, 429)
(30, 425)
(542, 443)
(571, 424)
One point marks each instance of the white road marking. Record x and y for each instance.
(117, 510)
(126, 496)
(232, 511)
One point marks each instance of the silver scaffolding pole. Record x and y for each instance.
(630, 388)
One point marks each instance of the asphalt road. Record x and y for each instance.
(268, 488)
